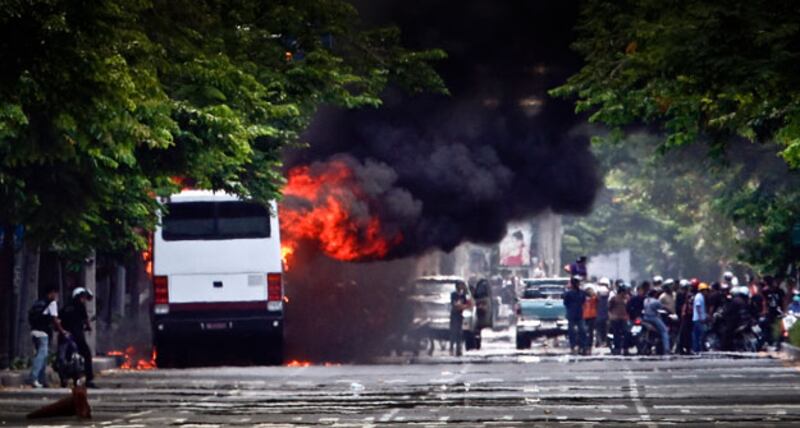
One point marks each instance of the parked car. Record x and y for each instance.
(430, 299)
(540, 310)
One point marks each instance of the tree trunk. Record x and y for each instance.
(6, 294)
(28, 292)
(90, 283)
(118, 293)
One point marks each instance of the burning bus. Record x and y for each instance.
(217, 274)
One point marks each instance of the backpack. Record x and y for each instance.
(36, 317)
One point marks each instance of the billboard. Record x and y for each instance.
(515, 247)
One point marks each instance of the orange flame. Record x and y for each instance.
(131, 363)
(326, 217)
(296, 363)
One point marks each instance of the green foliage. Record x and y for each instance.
(104, 103)
(794, 334)
(711, 69)
(661, 207)
(716, 75)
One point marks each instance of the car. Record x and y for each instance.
(430, 299)
(540, 310)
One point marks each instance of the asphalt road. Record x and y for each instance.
(495, 387)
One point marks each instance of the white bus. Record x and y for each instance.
(217, 273)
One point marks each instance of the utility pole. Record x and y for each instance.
(90, 283)
(549, 242)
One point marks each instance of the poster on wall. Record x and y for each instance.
(515, 247)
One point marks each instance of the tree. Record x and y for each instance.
(104, 104)
(713, 73)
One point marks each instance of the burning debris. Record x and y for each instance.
(128, 359)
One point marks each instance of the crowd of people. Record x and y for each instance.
(689, 315)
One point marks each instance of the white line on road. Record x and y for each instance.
(637, 402)
(388, 416)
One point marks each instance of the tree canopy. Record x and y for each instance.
(104, 104)
(717, 75)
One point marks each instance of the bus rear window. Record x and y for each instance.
(215, 220)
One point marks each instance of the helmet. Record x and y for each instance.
(685, 283)
(604, 281)
(694, 282)
(728, 275)
(796, 298)
(82, 291)
(702, 286)
(658, 279)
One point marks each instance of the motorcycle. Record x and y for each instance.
(649, 341)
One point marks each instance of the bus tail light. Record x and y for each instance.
(274, 292)
(161, 294)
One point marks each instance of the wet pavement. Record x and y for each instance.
(497, 386)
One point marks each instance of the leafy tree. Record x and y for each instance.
(715, 73)
(103, 103)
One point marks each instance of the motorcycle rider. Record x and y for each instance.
(651, 314)
(736, 314)
(76, 321)
(636, 303)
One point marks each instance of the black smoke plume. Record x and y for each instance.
(449, 169)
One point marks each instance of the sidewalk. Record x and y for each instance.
(18, 378)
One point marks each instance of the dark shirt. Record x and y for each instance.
(457, 298)
(680, 300)
(578, 269)
(635, 307)
(74, 318)
(774, 301)
(573, 301)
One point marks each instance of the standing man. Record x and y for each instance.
(76, 322)
(618, 316)
(699, 318)
(683, 306)
(578, 268)
(459, 301)
(43, 316)
(773, 300)
(576, 329)
(601, 324)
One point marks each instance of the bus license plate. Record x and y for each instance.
(216, 325)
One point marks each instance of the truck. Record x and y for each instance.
(217, 274)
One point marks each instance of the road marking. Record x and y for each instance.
(328, 420)
(388, 416)
(507, 418)
(637, 401)
(731, 376)
(688, 376)
(444, 419)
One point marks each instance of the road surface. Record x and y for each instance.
(495, 387)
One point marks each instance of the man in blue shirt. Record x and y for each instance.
(699, 318)
(573, 302)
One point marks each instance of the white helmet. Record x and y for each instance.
(728, 275)
(80, 290)
(604, 281)
(744, 291)
(658, 279)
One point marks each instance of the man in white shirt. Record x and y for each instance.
(43, 317)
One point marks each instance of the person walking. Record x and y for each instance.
(576, 328)
(699, 318)
(651, 314)
(43, 316)
(618, 319)
(459, 301)
(75, 319)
